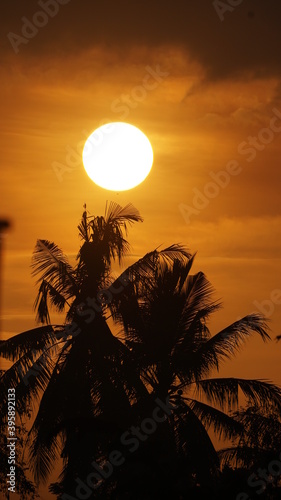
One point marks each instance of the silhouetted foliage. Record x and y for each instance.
(24, 486)
(126, 344)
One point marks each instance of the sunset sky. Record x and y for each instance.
(203, 82)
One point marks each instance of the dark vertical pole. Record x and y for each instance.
(4, 225)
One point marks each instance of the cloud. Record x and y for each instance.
(241, 44)
(228, 238)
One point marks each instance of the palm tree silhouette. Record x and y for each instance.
(256, 453)
(92, 381)
(164, 316)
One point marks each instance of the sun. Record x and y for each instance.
(117, 156)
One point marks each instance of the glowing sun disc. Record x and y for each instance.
(117, 156)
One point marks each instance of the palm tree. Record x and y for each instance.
(80, 373)
(92, 383)
(164, 315)
(257, 451)
(261, 436)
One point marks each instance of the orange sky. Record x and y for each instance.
(217, 86)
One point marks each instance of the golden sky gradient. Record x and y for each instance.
(201, 89)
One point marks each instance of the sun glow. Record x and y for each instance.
(117, 156)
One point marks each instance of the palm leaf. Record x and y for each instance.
(104, 239)
(198, 289)
(29, 375)
(176, 252)
(43, 441)
(245, 456)
(34, 352)
(114, 213)
(224, 392)
(237, 455)
(83, 227)
(48, 292)
(57, 298)
(224, 425)
(260, 428)
(49, 261)
(199, 305)
(36, 339)
(226, 343)
(41, 304)
(194, 442)
(145, 267)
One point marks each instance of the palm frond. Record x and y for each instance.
(251, 323)
(57, 298)
(29, 375)
(223, 392)
(226, 343)
(239, 456)
(46, 293)
(225, 426)
(49, 261)
(83, 227)
(176, 252)
(146, 266)
(41, 304)
(199, 305)
(194, 328)
(47, 453)
(43, 439)
(33, 353)
(156, 284)
(116, 214)
(194, 442)
(262, 428)
(104, 236)
(36, 339)
(57, 279)
(245, 456)
(198, 292)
